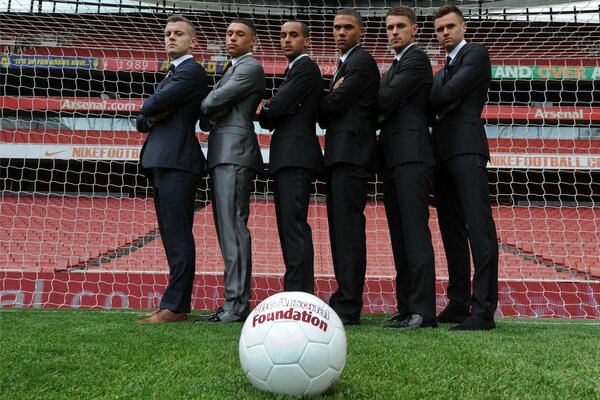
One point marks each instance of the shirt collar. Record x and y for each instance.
(236, 59)
(296, 59)
(181, 59)
(346, 54)
(399, 56)
(455, 51)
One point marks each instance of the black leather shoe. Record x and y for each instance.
(475, 324)
(350, 321)
(206, 317)
(452, 315)
(414, 321)
(397, 317)
(221, 315)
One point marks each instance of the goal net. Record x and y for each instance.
(77, 221)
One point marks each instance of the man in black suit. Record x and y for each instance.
(173, 160)
(461, 185)
(295, 156)
(348, 114)
(408, 169)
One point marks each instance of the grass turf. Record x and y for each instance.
(58, 354)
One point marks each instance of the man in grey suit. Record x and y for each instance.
(173, 161)
(234, 159)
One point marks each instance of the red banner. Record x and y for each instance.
(548, 114)
(55, 289)
(71, 104)
(569, 115)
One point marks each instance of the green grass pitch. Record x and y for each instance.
(93, 354)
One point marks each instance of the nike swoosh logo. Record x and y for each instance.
(53, 153)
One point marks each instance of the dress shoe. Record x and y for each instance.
(221, 315)
(206, 317)
(475, 324)
(350, 321)
(154, 312)
(452, 315)
(414, 321)
(397, 317)
(164, 316)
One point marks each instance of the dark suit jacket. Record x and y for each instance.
(232, 139)
(292, 113)
(403, 104)
(172, 142)
(349, 115)
(458, 101)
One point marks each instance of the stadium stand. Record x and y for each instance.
(85, 34)
(547, 234)
(121, 235)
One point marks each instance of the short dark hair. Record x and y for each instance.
(403, 11)
(303, 26)
(181, 18)
(247, 22)
(353, 13)
(448, 9)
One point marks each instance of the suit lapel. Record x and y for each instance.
(459, 56)
(338, 75)
(164, 82)
(170, 76)
(392, 71)
(455, 64)
(342, 69)
(225, 77)
(289, 74)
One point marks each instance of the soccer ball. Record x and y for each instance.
(293, 343)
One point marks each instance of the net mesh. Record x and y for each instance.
(77, 221)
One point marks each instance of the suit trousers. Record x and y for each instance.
(465, 218)
(347, 186)
(406, 198)
(231, 187)
(174, 196)
(292, 189)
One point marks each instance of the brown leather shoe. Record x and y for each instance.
(164, 316)
(154, 312)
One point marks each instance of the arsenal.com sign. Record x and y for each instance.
(100, 105)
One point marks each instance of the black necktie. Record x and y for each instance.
(447, 66)
(223, 71)
(337, 71)
(171, 70)
(446, 69)
(392, 70)
(287, 70)
(227, 66)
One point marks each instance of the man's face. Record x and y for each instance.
(450, 31)
(400, 31)
(179, 40)
(293, 41)
(239, 40)
(346, 32)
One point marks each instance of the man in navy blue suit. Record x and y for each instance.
(173, 161)
(461, 185)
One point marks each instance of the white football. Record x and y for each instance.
(293, 343)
